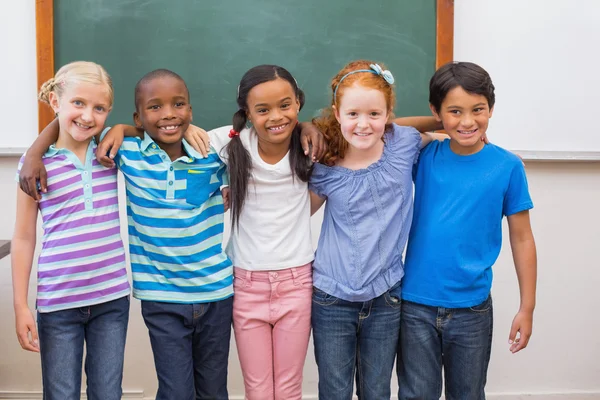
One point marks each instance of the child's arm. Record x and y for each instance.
(110, 144)
(525, 259)
(33, 169)
(22, 250)
(311, 136)
(422, 124)
(225, 194)
(315, 202)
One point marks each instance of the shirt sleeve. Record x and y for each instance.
(320, 180)
(19, 166)
(104, 132)
(219, 138)
(517, 196)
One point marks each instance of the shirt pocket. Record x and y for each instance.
(198, 188)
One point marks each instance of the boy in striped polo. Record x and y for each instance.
(175, 216)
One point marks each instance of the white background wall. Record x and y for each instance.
(563, 357)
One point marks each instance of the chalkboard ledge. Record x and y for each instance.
(593, 156)
(12, 151)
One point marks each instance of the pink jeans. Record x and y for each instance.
(271, 321)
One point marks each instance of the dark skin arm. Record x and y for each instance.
(310, 136)
(34, 171)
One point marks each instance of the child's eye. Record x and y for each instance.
(284, 106)
(100, 109)
(154, 107)
(455, 112)
(374, 114)
(78, 103)
(179, 104)
(262, 111)
(478, 109)
(352, 114)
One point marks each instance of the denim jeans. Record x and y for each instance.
(355, 337)
(459, 339)
(62, 334)
(190, 343)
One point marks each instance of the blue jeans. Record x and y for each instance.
(190, 343)
(459, 339)
(62, 334)
(355, 337)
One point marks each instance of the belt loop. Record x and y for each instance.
(248, 280)
(295, 276)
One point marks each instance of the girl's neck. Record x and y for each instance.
(66, 141)
(272, 153)
(356, 159)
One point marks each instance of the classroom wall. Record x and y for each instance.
(562, 358)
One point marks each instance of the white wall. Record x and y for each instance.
(564, 352)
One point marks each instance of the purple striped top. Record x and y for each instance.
(82, 261)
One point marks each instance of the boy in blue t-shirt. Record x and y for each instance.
(463, 189)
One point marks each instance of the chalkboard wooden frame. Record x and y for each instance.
(44, 18)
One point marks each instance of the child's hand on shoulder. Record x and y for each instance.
(109, 145)
(198, 139)
(523, 325)
(33, 179)
(26, 330)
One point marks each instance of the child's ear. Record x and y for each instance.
(136, 120)
(191, 114)
(435, 113)
(336, 112)
(54, 101)
(491, 111)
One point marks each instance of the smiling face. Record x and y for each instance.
(164, 110)
(362, 114)
(82, 109)
(273, 111)
(465, 117)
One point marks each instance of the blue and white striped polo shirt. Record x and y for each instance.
(175, 217)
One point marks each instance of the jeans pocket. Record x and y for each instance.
(483, 307)
(322, 298)
(392, 297)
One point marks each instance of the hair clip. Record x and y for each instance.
(233, 133)
(375, 69)
(385, 74)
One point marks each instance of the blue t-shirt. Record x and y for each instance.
(367, 220)
(456, 233)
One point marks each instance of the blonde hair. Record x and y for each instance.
(73, 74)
(328, 124)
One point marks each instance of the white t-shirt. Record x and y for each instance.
(274, 227)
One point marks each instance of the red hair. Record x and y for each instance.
(328, 124)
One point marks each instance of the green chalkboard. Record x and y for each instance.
(211, 43)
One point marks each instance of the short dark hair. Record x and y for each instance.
(156, 74)
(469, 76)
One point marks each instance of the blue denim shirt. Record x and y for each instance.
(367, 220)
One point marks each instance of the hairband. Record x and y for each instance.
(375, 69)
(233, 133)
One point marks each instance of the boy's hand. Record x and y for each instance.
(108, 147)
(198, 139)
(26, 330)
(311, 136)
(225, 193)
(32, 172)
(523, 324)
